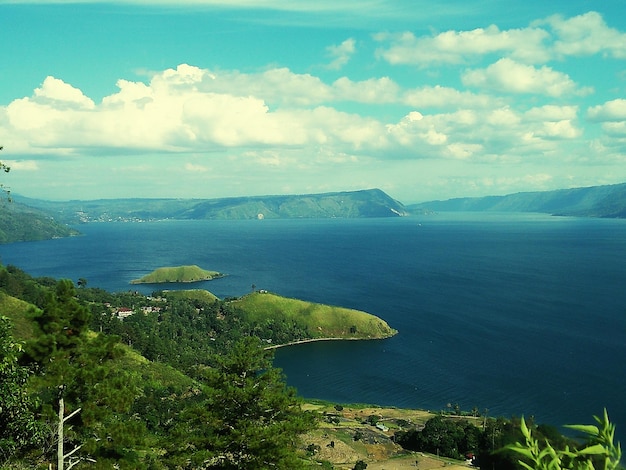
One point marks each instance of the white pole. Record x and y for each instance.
(60, 435)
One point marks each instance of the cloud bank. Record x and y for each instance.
(189, 109)
(489, 106)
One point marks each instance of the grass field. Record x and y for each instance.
(20, 313)
(193, 294)
(322, 321)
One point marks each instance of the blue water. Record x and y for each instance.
(516, 314)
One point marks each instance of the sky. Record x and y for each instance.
(218, 98)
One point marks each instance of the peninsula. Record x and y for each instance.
(304, 321)
(191, 273)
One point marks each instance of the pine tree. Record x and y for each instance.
(78, 373)
(247, 418)
(63, 324)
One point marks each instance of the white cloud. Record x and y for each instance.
(502, 117)
(463, 151)
(543, 40)
(55, 105)
(22, 165)
(220, 115)
(537, 181)
(282, 87)
(558, 130)
(554, 122)
(509, 76)
(373, 90)
(445, 97)
(341, 53)
(181, 110)
(551, 112)
(614, 110)
(457, 47)
(267, 158)
(615, 129)
(585, 35)
(414, 129)
(447, 135)
(612, 116)
(501, 134)
(195, 168)
(57, 93)
(278, 86)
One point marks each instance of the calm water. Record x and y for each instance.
(517, 314)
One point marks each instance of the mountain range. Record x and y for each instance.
(349, 204)
(607, 201)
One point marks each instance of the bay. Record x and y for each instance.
(510, 313)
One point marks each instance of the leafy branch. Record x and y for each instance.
(599, 453)
(4, 167)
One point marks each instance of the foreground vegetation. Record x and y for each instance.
(185, 383)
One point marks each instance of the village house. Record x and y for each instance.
(123, 312)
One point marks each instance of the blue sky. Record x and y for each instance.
(207, 98)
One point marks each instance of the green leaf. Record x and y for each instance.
(597, 449)
(517, 447)
(585, 428)
(524, 428)
(526, 466)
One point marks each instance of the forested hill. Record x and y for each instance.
(350, 204)
(596, 201)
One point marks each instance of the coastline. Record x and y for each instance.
(314, 340)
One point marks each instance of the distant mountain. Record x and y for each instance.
(596, 201)
(22, 223)
(350, 204)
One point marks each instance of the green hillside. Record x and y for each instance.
(21, 223)
(20, 313)
(349, 204)
(318, 320)
(191, 273)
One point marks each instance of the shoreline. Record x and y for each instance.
(314, 340)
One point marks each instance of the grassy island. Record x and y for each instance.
(178, 274)
(321, 322)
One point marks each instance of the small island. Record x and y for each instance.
(185, 274)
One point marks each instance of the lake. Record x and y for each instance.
(510, 313)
